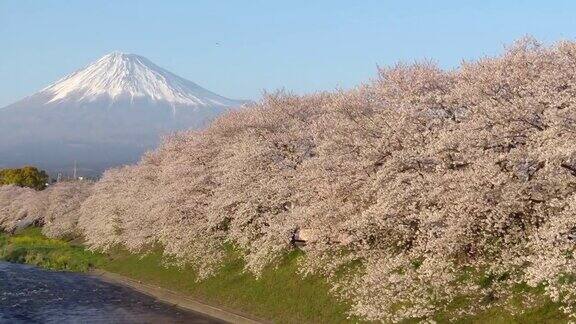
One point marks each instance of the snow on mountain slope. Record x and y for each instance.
(118, 74)
(103, 115)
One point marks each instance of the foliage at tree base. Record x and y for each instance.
(280, 293)
(31, 247)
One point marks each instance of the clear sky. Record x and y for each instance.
(240, 48)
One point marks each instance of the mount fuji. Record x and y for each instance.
(104, 115)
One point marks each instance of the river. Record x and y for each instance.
(32, 295)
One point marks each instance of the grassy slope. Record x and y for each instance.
(32, 247)
(280, 294)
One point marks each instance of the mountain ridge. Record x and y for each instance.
(105, 114)
(118, 74)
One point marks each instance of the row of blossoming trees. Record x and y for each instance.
(430, 180)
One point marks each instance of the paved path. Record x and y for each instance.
(180, 300)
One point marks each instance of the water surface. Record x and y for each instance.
(32, 295)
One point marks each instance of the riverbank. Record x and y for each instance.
(280, 294)
(176, 299)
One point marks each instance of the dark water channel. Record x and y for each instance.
(32, 295)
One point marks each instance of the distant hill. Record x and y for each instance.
(106, 114)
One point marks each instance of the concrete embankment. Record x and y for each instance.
(174, 298)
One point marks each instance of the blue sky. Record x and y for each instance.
(240, 48)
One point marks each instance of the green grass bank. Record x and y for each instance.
(281, 294)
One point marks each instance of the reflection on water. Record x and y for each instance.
(32, 295)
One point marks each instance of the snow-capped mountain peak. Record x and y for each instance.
(120, 75)
(106, 114)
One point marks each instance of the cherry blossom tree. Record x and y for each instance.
(429, 181)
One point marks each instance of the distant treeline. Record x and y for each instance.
(27, 176)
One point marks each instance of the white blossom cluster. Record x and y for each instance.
(56, 209)
(429, 180)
